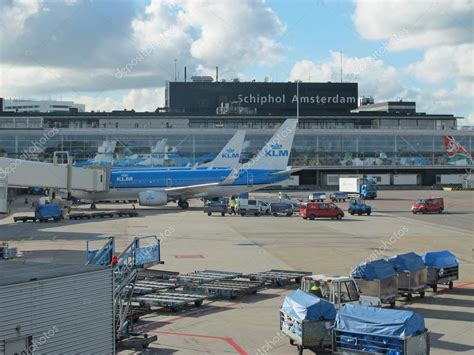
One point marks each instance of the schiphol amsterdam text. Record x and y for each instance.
(282, 99)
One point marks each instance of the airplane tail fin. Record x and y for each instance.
(229, 156)
(457, 154)
(276, 152)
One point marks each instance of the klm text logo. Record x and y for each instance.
(230, 154)
(276, 151)
(124, 178)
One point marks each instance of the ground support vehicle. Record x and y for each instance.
(358, 206)
(129, 213)
(412, 274)
(369, 330)
(101, 214)
(428, 205)
(24, 219)
(216, 207)
(285, 209)
(79, 215)
(358, 187)
(339, 196)
(43, 213)
(141, 253)
(307, 321)
(377, 279)
(253, 207)
(339, 290)
(317, 197)
(443, 268)
(313, 210)
(7, 252)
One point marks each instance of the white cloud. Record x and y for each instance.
(15, 14)
(135, 99)
(443, 63)
(91, 46)
(226, 33)
(427, 23)
(469, 121)
(373, 76)
(443, 30)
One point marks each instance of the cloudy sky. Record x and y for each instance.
(116, 54)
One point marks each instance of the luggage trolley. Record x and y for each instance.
(307, 321)
(389, 331)
(443, 268)
(377, 279)
(411, 272)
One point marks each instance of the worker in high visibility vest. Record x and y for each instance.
(316, 289)
(232, 205)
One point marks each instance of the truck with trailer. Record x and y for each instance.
(43, 213)
(358, 187)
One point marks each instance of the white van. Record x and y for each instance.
(255, 207)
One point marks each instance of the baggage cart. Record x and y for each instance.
(411, 274)
(369, 330)
(377, 279)
(225, 289)
(207, 275)
(307, 320)
(171, 300)
(279, 277)
(443, 269)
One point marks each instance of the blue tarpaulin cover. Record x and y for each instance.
(305, 306)
(374, 270)
(379, 321)
(440, 259)
(407, 262)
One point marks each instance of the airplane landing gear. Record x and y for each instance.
(183, 204)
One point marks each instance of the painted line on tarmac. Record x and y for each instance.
(280, 292)
(463, 285)
(228, 340)
(200, 311)
(449, 228)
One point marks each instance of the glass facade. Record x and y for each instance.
(312, 147)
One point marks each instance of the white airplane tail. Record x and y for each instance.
(229, 156)
(276, 153)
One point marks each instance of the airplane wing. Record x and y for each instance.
(190, 191)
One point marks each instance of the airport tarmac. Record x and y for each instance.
(193, 241)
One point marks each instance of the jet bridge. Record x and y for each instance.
(53, 176)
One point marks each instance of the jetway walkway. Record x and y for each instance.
(26, 173)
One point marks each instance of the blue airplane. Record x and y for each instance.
(157, 187)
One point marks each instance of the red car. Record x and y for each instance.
(314, 210)
(428, 205)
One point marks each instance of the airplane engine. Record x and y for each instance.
(152, 198)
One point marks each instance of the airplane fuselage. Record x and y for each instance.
(128, 183)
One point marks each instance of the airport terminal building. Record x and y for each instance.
(338, 133)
